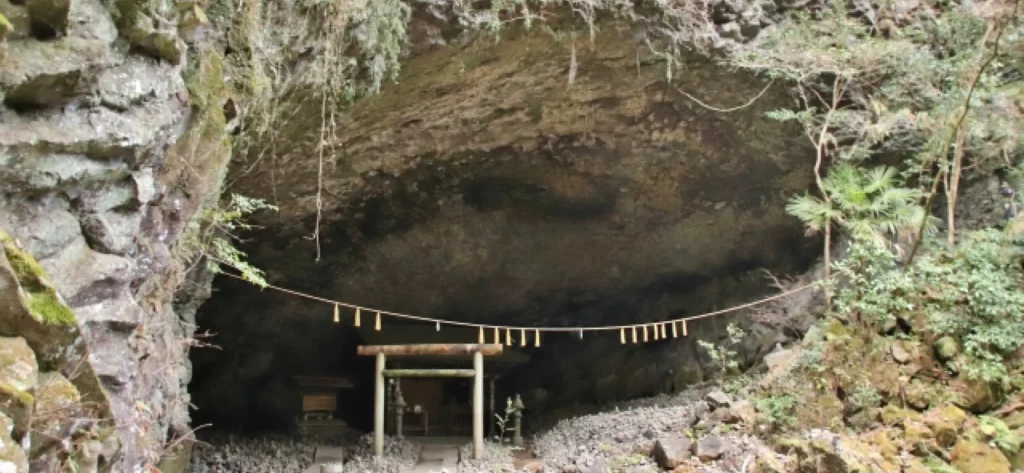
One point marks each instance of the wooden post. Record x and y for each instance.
(478, 405)
(492, 424)
(378, 408)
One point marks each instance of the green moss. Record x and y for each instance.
(43, 301)
(25, 398)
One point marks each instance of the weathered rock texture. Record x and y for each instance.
(486, 186)
(93, 186)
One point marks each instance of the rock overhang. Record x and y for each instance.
(496, 174)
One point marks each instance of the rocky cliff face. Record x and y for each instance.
(538, 178)
(97, 183)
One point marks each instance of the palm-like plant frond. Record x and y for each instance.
(866, 204)
(814, 212)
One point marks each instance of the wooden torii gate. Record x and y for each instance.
(445, 349)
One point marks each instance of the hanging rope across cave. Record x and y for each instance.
(636, 333)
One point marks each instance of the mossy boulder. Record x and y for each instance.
(821, 409)
(845, 456)
(945, 423)
(1014, 420)
(49, 16)
(32, 309)
(43, 301)
(946, 348)
(19, 373)
(918, 438)
(56, 400)
(976, 396)
(881, 442)
(768, 464)
(12, 457)
(920, 395)
(892, 414)
(971, 456)
(835, 330)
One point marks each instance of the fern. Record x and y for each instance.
(211, 234)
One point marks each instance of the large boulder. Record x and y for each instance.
(945, 423)
(19, 374)
(12, 457)
(670, 452)
(971, 456)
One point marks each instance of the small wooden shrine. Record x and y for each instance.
(320, 395)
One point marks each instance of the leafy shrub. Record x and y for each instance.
(999, 433)
(724, 356)
(865, 397)
(778, 410)
(972, 293)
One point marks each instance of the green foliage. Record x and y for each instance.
(996, 431)
(724, 356)
(778, 411)
(866, 204)
(210, 236)
(975, 295)
(865, 397)
(502, 419)
(972, 293)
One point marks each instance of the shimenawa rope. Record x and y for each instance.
(658, 326)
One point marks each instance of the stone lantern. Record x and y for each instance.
(517, 437)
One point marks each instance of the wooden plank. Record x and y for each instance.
(431, 349)
(429, 373)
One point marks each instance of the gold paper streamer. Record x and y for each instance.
(634, 334)
(622, 336)
(337, 317)
(357, 317)
(645, 333)
(497, 336)
(376, 324)
(480, 338)
(522, 337)
(675, 332)
(508, 337)
(684, 328)
(663, 332)
(657, 333)
(536, 338)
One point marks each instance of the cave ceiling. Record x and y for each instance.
(484, 183)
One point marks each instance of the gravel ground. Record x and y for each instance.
(290, 454)
(495, 458)
(224, 453)
(399, 456)
(622, 439)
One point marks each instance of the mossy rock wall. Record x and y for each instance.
(96, 193)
